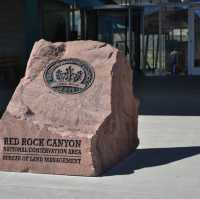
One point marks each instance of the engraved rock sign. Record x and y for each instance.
(73, 113)
(70, 76)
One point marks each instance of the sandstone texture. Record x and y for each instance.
(43, 131)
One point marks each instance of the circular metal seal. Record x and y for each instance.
(70, 76)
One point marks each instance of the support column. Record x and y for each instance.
(160, 38)
(142, 41)
(32, 24)
(130, 32)
(67, 23)
(84, 24)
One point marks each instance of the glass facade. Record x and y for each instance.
(113, 30)
(164, 40)
(155, 35)
(153, 1)
(150, 41)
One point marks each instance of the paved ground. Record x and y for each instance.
(169, 95)
(158, 95)
(166, 166)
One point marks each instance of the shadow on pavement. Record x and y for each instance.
(144, 158)
(177, 96)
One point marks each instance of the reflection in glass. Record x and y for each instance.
(112, 30)
(165, 40)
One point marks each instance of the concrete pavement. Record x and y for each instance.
(166, 166)
(168, 95)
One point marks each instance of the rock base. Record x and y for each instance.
(81, 133)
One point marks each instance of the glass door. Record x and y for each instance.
(194, 46)
(112, 29)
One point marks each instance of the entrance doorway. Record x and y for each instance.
(164, 40)
(194, 45)
(121, 28)
(112, 29)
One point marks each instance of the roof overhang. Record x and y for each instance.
(87, 3)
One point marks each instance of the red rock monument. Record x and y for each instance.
(73, 113)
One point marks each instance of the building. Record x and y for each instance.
(159, 37)
(22, 22)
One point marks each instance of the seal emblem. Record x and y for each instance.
(70, 76)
